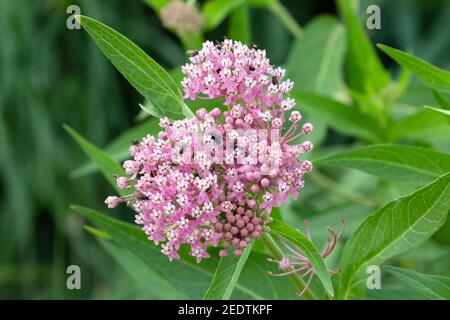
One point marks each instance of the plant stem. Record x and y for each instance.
(331, 185)
(279, 10)
(272, 246)
(191, 40)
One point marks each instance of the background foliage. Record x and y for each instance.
(50, 76)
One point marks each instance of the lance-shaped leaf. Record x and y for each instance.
(390, 161)
(103, 161)
(309, 249)
(143, 73)
(239, 28)
(215, 11)
(227, 275)
(431, 286)
(365, 71)
(432, 76)
(441, 100)
(395, 228)
(320, 72)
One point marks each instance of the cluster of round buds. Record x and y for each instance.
(182, 17)
(213, 179)
(240, 226)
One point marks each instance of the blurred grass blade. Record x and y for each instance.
(300, 240)
(239, 28)
(393, 162)
(320, 72)
(118, 148)
(215, 11)
(432, 76)
(143, 73)
(107, 166)
(341, 117)
(365, 71)
(431, 286)
(227, 275)
(395, 228)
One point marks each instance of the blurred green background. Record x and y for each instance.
(50, 75)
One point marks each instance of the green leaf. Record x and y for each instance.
(431, 286)
(390, 161)
(320, 72)
(395, 228)
(300, 240)
(425, 125)
(107, 165)
(227, 275)
(239, 28)
(189, 279)
(341, 117)
(151, 109)
(118, 149)
(143, 73)
(441, 111)
(441, 100)
(432, 76)
(215, 11)
(144, 275)
(98, 233)
(365, 71)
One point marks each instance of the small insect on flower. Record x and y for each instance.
(192, 53)
(296, 262)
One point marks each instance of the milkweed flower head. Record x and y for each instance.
(213, 179)
(182, 17)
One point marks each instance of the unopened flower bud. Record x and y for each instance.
(123, 182)
(307, 128)
(307, 166)
(295, 116)
(113, 201)
(307, 146)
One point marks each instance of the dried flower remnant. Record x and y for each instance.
(210, 180)
(182, 17)
(295, 262)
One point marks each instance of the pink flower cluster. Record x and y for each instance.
(213, 179)
(233, 71)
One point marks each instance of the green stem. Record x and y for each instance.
(331, 185)
(279, 10)
(191, 40)
(272, 246)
